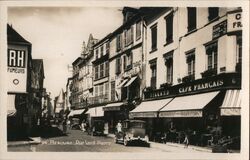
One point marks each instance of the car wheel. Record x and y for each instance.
(115, 140)
(125, 141)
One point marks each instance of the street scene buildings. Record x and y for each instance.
(176, 71)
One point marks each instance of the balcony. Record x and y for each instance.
(98, 99)
(209, 73)
(188, 78)
(166, 85)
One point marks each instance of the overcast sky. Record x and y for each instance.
(56, 35)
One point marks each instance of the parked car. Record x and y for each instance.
(75, 123)
(97, 127)
(132, 130)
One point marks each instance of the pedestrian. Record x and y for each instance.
(119, 127)
(186, 141)
(64, 126)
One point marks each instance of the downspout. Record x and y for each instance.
(144, 57)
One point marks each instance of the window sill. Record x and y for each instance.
(153, 50)
(190, 32)
(168, 42)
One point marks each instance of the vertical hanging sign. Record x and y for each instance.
(17, 70)
(234, 21)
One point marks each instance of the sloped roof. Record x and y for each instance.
(14, 37)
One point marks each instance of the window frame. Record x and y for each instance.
(138, 30)
(154, 31)
(191, 22)
(169, 19)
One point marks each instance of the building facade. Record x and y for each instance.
(193, 67)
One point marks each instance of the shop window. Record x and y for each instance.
(113, 91)
(106, 69)
(213, 13)
(118, 65)
(102, 70)
(191, 18)
(154, 37)
(101, 50)
(169, 28)
(153, 68)
(138, 30)
(118, 42)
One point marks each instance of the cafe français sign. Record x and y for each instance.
(229, 80)
(17, 70)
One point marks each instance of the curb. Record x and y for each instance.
(34, 140)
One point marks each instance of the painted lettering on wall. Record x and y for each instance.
(201, 86)
(234, 22)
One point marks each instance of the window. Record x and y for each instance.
(169, 67)
(154, 37)
(106, 69)
(130, 61)
(107, 48)
(212, 56)
(101, 50)
(128, 36)
(96, 91)
(153, 74)
(191, 18)
(118, 42)
(124, 62)
(169, 28)
(96, 72)
(118, 65)
(102, 70)
(113, 91)
(190, 59)
(138, 30)
(96, 53)
(239, 49)
(213, 12)
(106, 88)
(101, 90)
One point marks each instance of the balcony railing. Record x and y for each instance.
(98, 99)
(209, 73)
(188, 78)
(153, 82)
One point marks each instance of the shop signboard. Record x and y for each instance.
(219, 29)
(181, 114)
(17, 69)
(234, 22)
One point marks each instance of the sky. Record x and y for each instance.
(57, 34)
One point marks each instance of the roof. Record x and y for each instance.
(14, 37)
(77, 60)
(37, 66)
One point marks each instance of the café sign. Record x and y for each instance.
(234, 21)
(17, 70)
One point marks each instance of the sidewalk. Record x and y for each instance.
(162, 145)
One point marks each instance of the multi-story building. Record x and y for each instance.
(193, 72)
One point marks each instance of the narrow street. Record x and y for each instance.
(77, 140)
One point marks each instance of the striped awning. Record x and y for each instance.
(232, 103)
(96, 112)
(76, 112)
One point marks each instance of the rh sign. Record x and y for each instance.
(17, 70)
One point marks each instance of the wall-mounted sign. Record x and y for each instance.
(17, 70)
(234, 22)
(219, 29)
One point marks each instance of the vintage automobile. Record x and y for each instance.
(97, 128)
(132, 130)
(75, 123)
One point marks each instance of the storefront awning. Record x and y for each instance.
(76, 112)
(232, 103)
(149, 108)
(130, 81)
(121, 84)
(187, 106)
(113, 106)
(96, 112)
